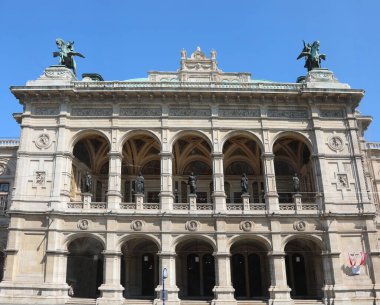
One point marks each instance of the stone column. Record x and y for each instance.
(166, 194)
(167, 260)
(223, 290)
(111, 290)
(218, 195)
(271, 196)
(279, 292)
(114, 180)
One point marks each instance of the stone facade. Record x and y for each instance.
(77, 218)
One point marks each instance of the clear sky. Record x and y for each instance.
(126, 39)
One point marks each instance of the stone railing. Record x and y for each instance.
(299, 207)
(246, 207)
(80, 85)
(9, 142)
(372, 145)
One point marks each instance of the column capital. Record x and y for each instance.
(115, 154)
(217, 155)
(267, 155)
(221, 254)
(276, 253)
(166, 254)
(112, 253)
(166, 154)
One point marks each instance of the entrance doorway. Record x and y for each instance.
(304, 269)
(195, 270)
(250, 272)
(139, 269)
(85, 267)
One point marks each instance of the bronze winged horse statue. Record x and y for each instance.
(66, 54)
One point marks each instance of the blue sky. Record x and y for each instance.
(126, 39)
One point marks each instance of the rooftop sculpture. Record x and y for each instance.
(66, 54)
(313, 57)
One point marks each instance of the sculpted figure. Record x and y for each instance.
(313, 57)
(66, 54)
(296, 184)
(192, 182)
(244, 184)
(88, 183)
(140, 184)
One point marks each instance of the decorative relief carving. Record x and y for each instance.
(83, 224)
(342, 181)
(320, 76)
(189, 112)
(57, 72)
(246, 225)
(46, 111)
(299, 225)
(140, 111)
(192, 225)
(43, 141)
(91, 111)
(331, 113)
(3, 169)
(290, 114)
(40, 178)
(137, 225)
(244, 113)
(335, 143)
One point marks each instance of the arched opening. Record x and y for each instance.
(250, 270)
(195, 268)
(85, 267)
(90, 169)
(243, 156)
(192, 155)
(304, 269)
(139, 268)
(292, 156)
(141, 154)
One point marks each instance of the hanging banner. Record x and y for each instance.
(356, 260)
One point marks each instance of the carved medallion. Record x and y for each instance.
(3, 169)
(299, 225)
(43, 141)
(192, 225)
(246, 225)
(137, 225)
(335, 143)
(83, 224)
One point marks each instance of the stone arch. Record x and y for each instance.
(122, 240)
(256, 238)
(183, 238)
(70, 238)
(184, 133)
(310, 237)
(132, 133)
(81, 134)
(293, 134)
(250, 135)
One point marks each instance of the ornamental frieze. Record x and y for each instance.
(290, 114)
(92, 111)
(140, 112)
(189, 112)
(332, 113)
(46, 111)
(239, 113)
